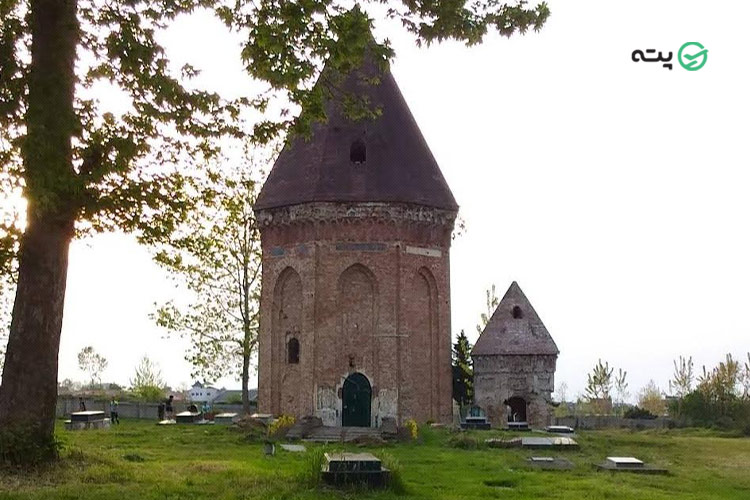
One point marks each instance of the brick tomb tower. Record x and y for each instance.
(356, 226)
(514, 364)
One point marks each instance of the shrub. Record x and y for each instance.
(650, 399)
(638, 412)
(280, 427)
(464, 442)
(412, 427)
(700, 409)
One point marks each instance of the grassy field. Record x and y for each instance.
(139, 460)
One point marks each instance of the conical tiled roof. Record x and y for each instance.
(399, 166)
(515, 328)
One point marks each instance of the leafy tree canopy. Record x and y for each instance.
(214, 255)
(123, 167)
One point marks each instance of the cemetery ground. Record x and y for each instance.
(140, 460)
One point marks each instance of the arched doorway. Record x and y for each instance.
(517, 409)
(356, 399)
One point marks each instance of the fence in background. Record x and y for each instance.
(593, 422)
(134, 409)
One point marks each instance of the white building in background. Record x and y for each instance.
(200, 393)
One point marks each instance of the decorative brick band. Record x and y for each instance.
(324, 212)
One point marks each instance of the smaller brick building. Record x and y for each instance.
(514, 364)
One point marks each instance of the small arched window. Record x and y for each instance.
(358, 152)
(292, 351)
(517, 312)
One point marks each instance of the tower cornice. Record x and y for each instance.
(343, 213)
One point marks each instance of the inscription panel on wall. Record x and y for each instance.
(425, 252)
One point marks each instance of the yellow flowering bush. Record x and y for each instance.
(280, 426)
(412, 427)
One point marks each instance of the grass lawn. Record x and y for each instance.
(139, 460)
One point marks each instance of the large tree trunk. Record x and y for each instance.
(28, 393)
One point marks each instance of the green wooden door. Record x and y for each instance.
(356, 396)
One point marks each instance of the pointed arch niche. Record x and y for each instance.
(422, 326)
(287, 332)
(357, 306)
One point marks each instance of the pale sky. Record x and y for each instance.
(614, 192)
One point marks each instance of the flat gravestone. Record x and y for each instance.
(354, 468)
(560, 429)
(294, 448)
(518, 426)
(503, 443)
(266, 418)
(86, 416)
(549, 442)
(630, 464)
(225, 418)
(625, 461)
(188, 417)
(85, 420)
(475, 423)
(550, 463)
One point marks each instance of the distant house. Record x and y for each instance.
(201, 393)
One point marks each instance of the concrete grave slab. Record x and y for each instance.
(188, 417)
(630, 464)
(86, 416)
(225, 418)
(294, 448)
(518, 426)
(73, 425)
(354, 468)
(266, 418)
(550, 463)
(625, 461)
(560, 429)
(549, 442)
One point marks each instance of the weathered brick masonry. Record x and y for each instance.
(356, 229)
(514, 364)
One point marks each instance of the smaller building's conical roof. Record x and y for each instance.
(515, 328)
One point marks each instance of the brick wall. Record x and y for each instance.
(364, 288)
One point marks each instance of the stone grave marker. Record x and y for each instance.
(630, 464)
(550, 463)
(475, 419)
(84, 420)
(225, 418)
(549, 442)
(294, 448)
(188, 417)
(518, 426)
(560, 429)
(354, 468)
